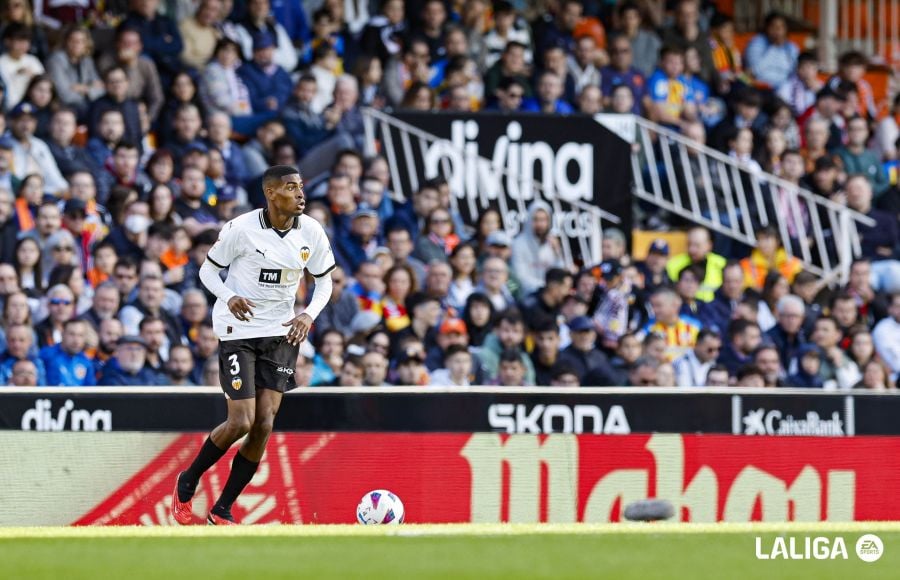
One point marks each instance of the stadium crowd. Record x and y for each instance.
(131, 131)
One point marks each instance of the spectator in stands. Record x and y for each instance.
(621, 72)
(751, 376)
(643, 372)
(717, 376)
(879, 242)
(858, 159)
(116, 98)
(105, 305)
(692, 368)
(153, 332)
(70, 158)
(827, 112)
(143, 79)
(411, 369)
(670, 100)
(179, 366)
(686, 33)
(19, 347)
(149, 303)
(268, 84)
(73, 72)
(457, 369)
(15, 310)
(809, 365)
(584, 357)
(509, 333)
(494, 283)
(645, 44)
(746, 114)
(30, 154)
(547, 302)
(852, 66)
(546, 354)
(127, 367)
(161, 37)
(687, 286)
(66, 363)
(886, 337)
(768, 256)
(837, 370)
(511, 64)
(875, 377)
(699, 253)
(200, 33)
(17, 67)
(512, 370)
(679, 334)
(744, 338)
(478, 315)
(771, 57)
(536, 248)
(61, 307)
(887, 131)
(451, 332)
(787, 335)
(24, 374)
(258, 22)
(800, 90)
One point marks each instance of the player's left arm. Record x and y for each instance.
(320, 265)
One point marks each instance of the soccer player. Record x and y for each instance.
(266, 252)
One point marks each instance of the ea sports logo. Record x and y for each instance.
(236, 383)
(869, 548)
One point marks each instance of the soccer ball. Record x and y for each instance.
(380, 506)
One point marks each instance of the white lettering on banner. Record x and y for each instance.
(41, 418)
(509, 172)
(557, 419)
(774, 422)
(806, 548)
(698, 497)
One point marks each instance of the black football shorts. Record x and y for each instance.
(256, 363)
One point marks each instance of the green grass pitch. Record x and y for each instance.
(617, 551)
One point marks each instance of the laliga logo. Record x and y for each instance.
(869, 548)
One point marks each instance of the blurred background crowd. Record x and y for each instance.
(131, 131)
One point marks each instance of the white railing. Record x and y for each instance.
(706, 187)
(405, 147)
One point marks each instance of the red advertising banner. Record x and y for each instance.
(490, 477)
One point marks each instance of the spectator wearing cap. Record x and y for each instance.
(584, 356)
(699, 253)
(116, 97)
(161, 37)
(359, 243)
(612, 311)
(259, 21)
(653, 267)
(268, 83)
(451, 332)
(144, 84)
(128, 367)
(17, 67)
(536, 249)
(771, 57)
(857, 158)
(66, 363)
(30, 154)
(547, 302)
(692, 367)
(620, 71)
(19, 347)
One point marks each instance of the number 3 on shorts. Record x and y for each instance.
(235, 365)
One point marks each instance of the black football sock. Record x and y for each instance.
(242, 470)
(208, 456)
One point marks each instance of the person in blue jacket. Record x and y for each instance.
(66, 363)
(267, 83)
(128, 367)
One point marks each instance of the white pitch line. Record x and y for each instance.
(424, 530)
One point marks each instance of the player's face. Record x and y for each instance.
(289, 197)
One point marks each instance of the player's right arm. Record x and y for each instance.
(219, 257)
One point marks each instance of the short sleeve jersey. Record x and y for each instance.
(265, 266)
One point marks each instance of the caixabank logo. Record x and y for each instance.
(869, 548)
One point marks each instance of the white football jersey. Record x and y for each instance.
(265, 266)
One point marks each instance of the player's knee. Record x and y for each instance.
(265, 424)
(241, 424)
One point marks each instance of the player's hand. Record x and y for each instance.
(299, 328)
(241, 308)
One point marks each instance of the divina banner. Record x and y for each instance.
(492, 160)
(127, 478)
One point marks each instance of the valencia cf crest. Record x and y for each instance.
(304, 253)
(237, 383)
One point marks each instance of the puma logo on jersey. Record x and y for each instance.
(262, 252)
